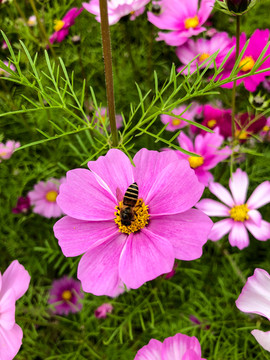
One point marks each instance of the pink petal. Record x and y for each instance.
(239, 236)
(144, 257)
(185, 142)
(187, 232)
(176, 346)
(220, 229)
(255, 216)
(261, 232)
(212, 208)
(255, 295)
(260, 196)
(263, 338)
(75, 237)
(98, 268)
(17, 278)
(151, 351)
(206, 6)
(10, 342)
(239, 185)
(7, 309)
(221, 193)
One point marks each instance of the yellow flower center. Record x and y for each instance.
(266, 128)
(3, 153)
(51, 195)
(247, 63)
(139, 217)
(195, 161)
(242, 135)
(203, 57)
(58, 24)
(211, 123)
(176, 122)
(191, 22)
(239, 212)
(66, 295)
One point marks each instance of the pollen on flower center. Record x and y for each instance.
(58, 25)
(176, 122)
(265, 128)
(203, 57)
(191, 22)
(242, 135)
(247, 63)
(195, 161)
(140, 217)
(51, 195)
(66, 295)
(211, 123)
(239, 212)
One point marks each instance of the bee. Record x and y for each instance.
(129, 201)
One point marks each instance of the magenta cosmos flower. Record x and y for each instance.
(13, 284)
(178, 123)
(22, 206)
(7, 149)
(136, 243)
(257, 42)
(241, 214)
(205, 48)
(183, 18)
(102, 311)
(207, 147)
(117, 9)
(177, 347)
(43, 198)
(255, 298)
(62, 26)
(66, 296)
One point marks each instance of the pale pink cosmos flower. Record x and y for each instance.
(102, 311)
(43, 198)
(177, 123)
(162, 225)
(13, 284)
(117, 9)
(101, 118)
(7, 149)
(208, 148)
(255, 298)
(183, 18)
(177, 347)
(32, 21)
(3, 72)
(205, 48)
(241, 214)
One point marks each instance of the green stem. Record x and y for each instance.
(107, 54)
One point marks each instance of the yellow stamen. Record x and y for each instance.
(203, 57)
(141, 217)
(58, 24)
(51, 195)
(176, 122)
(247, 63)
(239, 212)
(211, 123)
(195, 161)
(266, 128)
(241, 134)
(3, 153)
(191, 22)
(66, 295)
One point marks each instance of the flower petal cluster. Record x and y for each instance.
(241, 214)
(177, 123)
(183, 18)
(102, 311)
(207, 146)
(7, 149)
(62, 26)
(246, 126)
(44, 196)
(117, 9)
(66, 295)
(23, 205)
(255, 298)
(166, 226)
(101, 118)
(205, 48)
(177, 347)
(13, 284)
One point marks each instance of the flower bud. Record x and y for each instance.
(238, 6)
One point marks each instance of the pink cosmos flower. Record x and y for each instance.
(102, 311)
(175, 123)
(102, 119)
(183, 18)
(32, 21)
(43, 198)
(3, 72)
(240, 214)
(7, 149)
(62, 26)
(265, 133)
(66, 296)
(205, 48)
(207, 146)
(13, 284)
(257, 42)
(117, 9)
(138, 244)
(177, 347)
(4, 45)
(255, 298)
(23, 205)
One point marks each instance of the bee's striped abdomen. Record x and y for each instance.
(131, 195)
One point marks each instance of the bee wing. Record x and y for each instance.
(119, 194)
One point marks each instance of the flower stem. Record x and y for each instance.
(107, 54)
